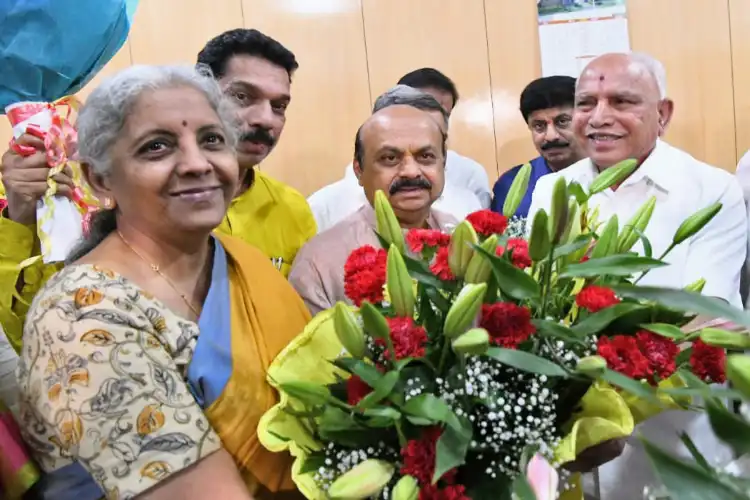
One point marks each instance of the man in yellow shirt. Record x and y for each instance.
(256, 71)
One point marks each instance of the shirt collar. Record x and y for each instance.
(368, 214)
(658, 167)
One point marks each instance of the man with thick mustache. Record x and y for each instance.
(400, 150)
(547, 108)
(257, 71)
(621, 111)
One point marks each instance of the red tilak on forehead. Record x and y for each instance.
(184, 123)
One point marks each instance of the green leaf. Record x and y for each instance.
(417, 269)
(665, 330)
(432, 408)
(647, 249)
(553, 329)
(522, 489)
(602, 319)
(367, 372)
(451, 448)
(729, 427)
(685, 481)
(581, 241)
(420, 421)
(576, 190)
(511, 280)
(382, 390)
(692, 392)
(382, 417)
(697, 455)
(334, 419)
(613, 265)
(689, 302)
(527, 362)
(634, 387)
(312, 463)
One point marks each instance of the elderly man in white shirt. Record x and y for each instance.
(743, 177)
(337, 201)
(621, 110)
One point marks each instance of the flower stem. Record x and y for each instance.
(644, 273)
(546, 281)
(444, 355)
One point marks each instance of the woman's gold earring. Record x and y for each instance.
(109, 203)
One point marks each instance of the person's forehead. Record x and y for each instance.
(619, 76)
(550, 113)
(256, 72)
(401, 131)
(162, 107)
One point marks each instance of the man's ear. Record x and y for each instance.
(357, 170)
(666, 109)
(99, 183)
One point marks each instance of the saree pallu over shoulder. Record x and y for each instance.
(266, 314)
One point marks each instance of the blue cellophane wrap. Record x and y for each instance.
(51, 48)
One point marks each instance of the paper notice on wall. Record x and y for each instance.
(572, 32)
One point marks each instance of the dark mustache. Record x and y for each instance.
(554, 144)
(403, 183)
(260, 135)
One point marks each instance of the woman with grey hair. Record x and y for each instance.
(143, 363)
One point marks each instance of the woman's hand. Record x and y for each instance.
(596, 456)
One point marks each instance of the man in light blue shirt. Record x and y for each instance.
(547, 109)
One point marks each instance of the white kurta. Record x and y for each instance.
(682, 185)
(461, 195)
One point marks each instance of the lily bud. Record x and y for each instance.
(573, 226)
(307, 392)
(696, 286)
(592, 366)
(607, 243)
(399, 284)
(517, 191)
(475, 341)
(695, 223)
(539, 242)
(638, 221)
(364, 480)
(375, 323)
(348, 331)
(464, 310)
(461, 248)
(612, 176)
(738, 372)
(559, 210)
(406, 488)
(387, 223)
(725, 339)
(480, 268)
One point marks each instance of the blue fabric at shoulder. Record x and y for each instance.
(501, 188)
(211, 366)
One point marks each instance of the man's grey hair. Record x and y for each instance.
(103, 117)
(408, 96)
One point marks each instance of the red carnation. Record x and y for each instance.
(419, 457)
(450, 492)
(624, 356)
(364, 275)
(508, 324)
(595, 298)
(440, 266)
(486, 222)
(660, 352)
(708, 362)
(356, 389)
(408, 339)
(417, 239)
(519, 252)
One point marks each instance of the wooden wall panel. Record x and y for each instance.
(330, 91)
(691, 38)
(739, 16)
(174, 31)
(403, 35)
(514, 61)
(121, 60)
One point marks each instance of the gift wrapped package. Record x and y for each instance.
(50, 49)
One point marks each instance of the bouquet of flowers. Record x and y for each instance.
(474, 364)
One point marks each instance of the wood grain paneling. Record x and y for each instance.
(330, 90)
(174, 31)
(449, 35)
(691, 38)
(739, 16)
(514, 61)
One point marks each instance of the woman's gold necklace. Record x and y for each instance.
(158, 271)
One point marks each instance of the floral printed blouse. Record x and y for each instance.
(102, 378)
